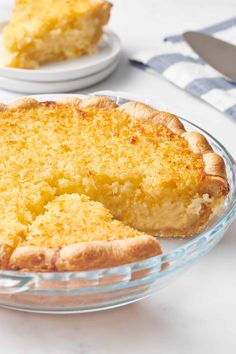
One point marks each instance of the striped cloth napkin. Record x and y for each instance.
(178, 63)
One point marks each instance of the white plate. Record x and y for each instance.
(108, 51)
(56, 87)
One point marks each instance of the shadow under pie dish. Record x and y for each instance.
(133, 161)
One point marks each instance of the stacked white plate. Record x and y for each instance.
(68, 75)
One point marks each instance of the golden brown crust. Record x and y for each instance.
(23, 103)
(138, 110)
(197, 142)
(105, 11)
(99, 102)
(214, 165)
(32, 258)
(94, 101)
(142, 111)
(85, 255)
(3, 107)
(5, 254)
(74, 101)
(170, 121)
(216, 180)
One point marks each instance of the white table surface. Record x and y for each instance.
(197, 313)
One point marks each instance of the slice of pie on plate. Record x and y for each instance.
(135, 162)
(45, 31)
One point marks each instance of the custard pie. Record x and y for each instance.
(45, 31)
(75, 233)
(78, 177)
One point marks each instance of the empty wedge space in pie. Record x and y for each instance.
(87, 184)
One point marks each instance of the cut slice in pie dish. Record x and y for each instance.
(45, 31)
(75, 233)
(135, 162)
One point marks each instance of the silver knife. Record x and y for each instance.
(217, 53)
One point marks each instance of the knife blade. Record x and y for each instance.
(217, 53)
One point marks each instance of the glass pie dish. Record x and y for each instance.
(77, 292)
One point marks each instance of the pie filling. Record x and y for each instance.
(52, 154)
(74, 218)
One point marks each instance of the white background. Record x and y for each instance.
(197, 313)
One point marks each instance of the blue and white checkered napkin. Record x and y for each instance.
(178, 63)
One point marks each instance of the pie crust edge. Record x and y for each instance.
(85, 256)
(103, 254)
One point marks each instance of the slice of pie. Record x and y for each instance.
(44, 31)
(75, 233)
(138, 162)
